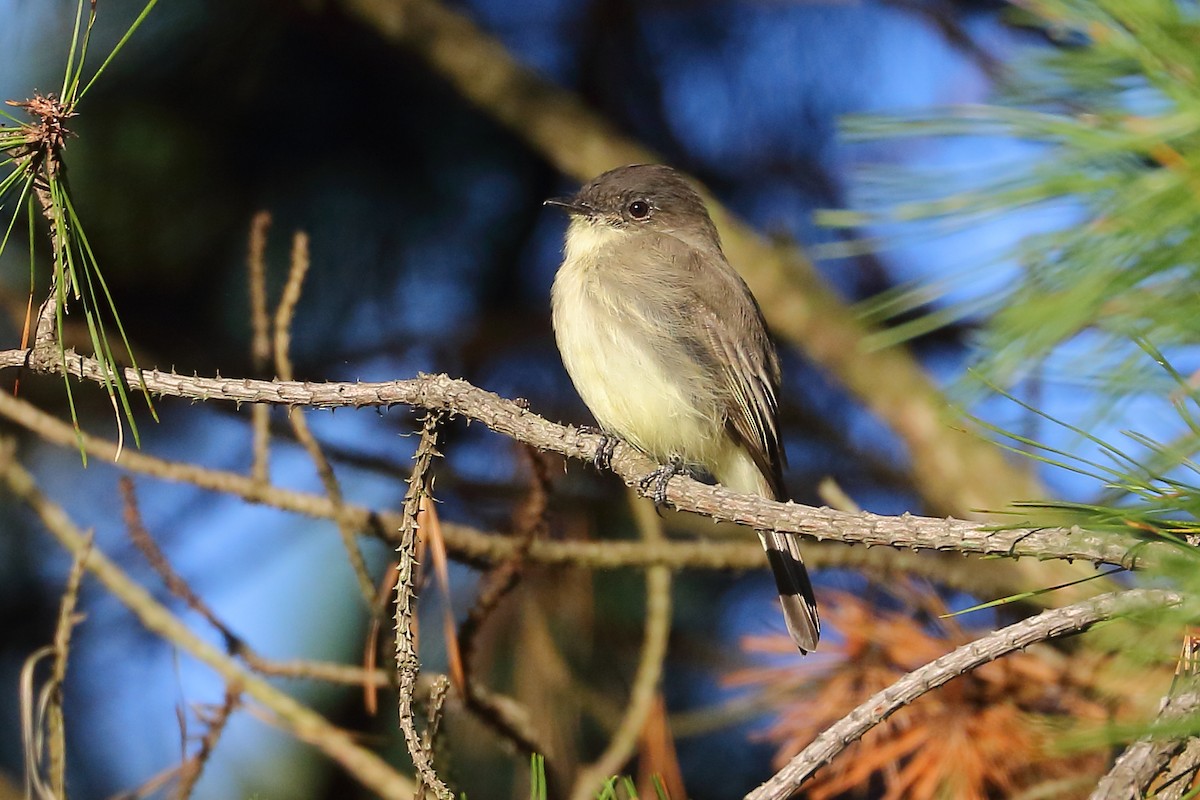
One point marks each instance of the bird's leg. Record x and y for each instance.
(604, 448)
(661, 477)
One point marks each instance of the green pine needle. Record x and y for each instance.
(77, 277)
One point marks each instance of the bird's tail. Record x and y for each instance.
(738, 471)
(795, 589)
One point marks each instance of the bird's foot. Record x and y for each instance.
(604, 448)
(660, 478)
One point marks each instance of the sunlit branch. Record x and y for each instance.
(881, 705)
(459, 398)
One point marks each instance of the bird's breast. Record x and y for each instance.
(620, 343)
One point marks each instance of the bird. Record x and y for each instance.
(667, 347)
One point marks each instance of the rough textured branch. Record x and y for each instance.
(1143, 760)
(459, 398)
(407, 662)
(881, 705)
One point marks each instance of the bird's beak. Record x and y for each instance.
(569, 205)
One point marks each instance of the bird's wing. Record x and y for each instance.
(735, 336)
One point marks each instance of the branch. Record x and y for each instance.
(457, 397)
(1143, 760)
(1180, 773)
(881, 705)
(408, 663)
(483, 549)
(304, 723)
(260, 341)
(43, 729)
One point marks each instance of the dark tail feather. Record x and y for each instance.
(795, 589)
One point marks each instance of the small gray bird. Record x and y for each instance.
(667, 347)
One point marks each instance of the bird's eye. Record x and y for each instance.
(639, 209)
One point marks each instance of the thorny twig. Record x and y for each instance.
(442, 393)
(435, 706)
(407, 661)
(482, 548)
(190, 770)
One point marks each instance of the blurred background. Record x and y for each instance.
(431, 252)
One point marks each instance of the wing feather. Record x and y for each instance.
(733, 330)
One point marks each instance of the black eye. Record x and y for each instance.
(639, 209)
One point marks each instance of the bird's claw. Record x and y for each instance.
(604, 448)
(659, 479)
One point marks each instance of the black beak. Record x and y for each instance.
(569, 205)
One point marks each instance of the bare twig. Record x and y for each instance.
(483, 548)
(407, 661)
(43, 728)
(260, 342)
(529, 525)
(363, 765)
(283, 366)
(285, 312)
(154, 555)
(190, 770)
(442, 393)
(256, 268)
(881, 705)
(649, 671)
(311, 670)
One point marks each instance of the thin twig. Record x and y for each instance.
(285, 312)
(154, 555)
(43, 727)
(650, 664)
(284, 315)
(260, 343)
(303, 723)
(529, 524)
(408, 663)
(191, 769)
(311, 670)
(1047, 625)
(32, 726)
(256, 268)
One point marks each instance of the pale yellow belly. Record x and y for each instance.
(650, 395)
